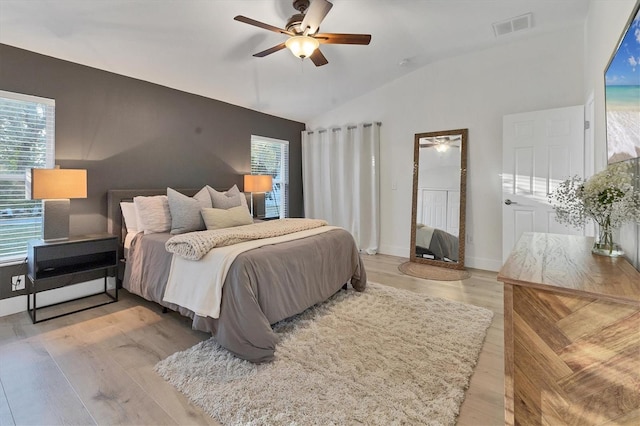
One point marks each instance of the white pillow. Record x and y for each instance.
(130, 216)
(226, 218)
(153, 213)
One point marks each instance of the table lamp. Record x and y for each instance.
(55, 187)
(257, 183)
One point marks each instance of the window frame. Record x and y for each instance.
(31, 227)
(282, 182)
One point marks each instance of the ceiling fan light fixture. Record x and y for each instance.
(303, 31)
(442, 147)
(302, 46)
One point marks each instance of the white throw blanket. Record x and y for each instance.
(194, 245)
(197, 284)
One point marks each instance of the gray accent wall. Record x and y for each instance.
(132, 134)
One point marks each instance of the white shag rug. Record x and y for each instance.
(381, 357)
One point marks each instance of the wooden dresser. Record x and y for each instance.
(572, 334)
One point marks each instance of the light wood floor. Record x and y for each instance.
(96, 366)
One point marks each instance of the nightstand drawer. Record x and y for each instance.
(53, 251)
(70, 265)
(47, 260)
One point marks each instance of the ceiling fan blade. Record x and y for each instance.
(259, 24)
(270, 51)
(314, 15)
(318, 58)
(332, 38)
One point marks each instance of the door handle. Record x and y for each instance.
(509, 202)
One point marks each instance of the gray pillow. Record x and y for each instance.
(185, 211)
(225, 200)
(234, 191)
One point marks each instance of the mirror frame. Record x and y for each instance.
(463, 198)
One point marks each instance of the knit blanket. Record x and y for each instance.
(194, 245)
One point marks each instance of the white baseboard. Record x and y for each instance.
(14, 305)
(394, 250)
(482, 263)
(471, 262)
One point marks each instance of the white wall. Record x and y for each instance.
(471, 91)
(605, 22)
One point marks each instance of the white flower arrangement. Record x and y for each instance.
(608, 197)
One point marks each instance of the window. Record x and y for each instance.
(271, 157)
(26, 141)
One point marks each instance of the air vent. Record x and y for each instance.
(519, 23)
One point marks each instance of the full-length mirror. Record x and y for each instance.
(439, 188)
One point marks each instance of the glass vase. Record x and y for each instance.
(604, 244)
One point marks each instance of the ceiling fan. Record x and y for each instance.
(302, 29)
(441, 143)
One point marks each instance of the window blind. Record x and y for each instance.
(271, 157)
(27, 140)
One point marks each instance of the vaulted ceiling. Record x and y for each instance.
(197, 47)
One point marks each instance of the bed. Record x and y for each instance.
(263, 285)
(436, 244)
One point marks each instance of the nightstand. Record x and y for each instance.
(64, 263)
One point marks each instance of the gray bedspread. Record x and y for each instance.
(263, 285)
(444, 245)
(438, 242)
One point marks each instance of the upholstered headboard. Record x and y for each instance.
(115, 224)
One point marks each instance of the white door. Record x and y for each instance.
(539, 150)
(434, 208)
(453, 212)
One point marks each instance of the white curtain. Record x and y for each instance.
(341, 180)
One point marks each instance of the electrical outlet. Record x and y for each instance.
(17, 282)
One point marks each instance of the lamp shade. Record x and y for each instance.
(258, 183)
(302, 46)
(56, 183)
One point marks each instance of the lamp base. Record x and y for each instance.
(259, 205)
(55, 220)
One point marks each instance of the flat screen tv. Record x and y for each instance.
(622, 94)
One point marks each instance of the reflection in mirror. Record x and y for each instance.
(439, 187)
